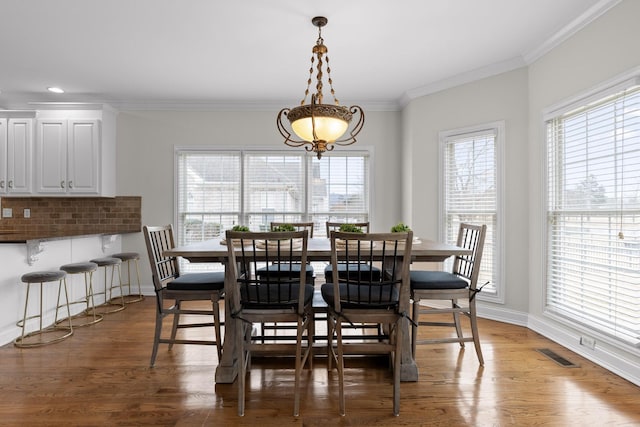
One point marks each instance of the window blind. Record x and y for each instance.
(217, 189)
(208, 194)
(593, 215)
(339, 189)
(470, 194)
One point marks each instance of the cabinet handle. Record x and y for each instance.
(10, 183)
(61, 184)
(2, 184)
(70, 184)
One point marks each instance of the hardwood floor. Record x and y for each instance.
(101, 376)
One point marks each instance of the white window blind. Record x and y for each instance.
(274, 188)
(470, 193)
(208, 194)
(217, 189)
(593, 215)
(339, 189)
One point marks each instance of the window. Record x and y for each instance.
(593, 213)
(217, 189)
(471, 188)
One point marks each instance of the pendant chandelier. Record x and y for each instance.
(319, 126)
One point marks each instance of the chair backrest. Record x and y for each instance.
(360, 253)
(468, 266)
(298, 226)
(335, 226)
(278, 255)
(164, 269)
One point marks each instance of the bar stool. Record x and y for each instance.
(128, 257)
(88, 316)
(43, 277)
(109, 286)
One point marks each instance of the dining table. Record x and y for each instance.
(318, 249)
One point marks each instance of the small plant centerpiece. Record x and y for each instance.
(274, 244)
(284, 227)
(235, 228)
(403, 228)
(400, 228)
(350, 228)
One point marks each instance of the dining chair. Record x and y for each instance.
(459, 284)
(173, 289)
(335, 226)
(360, 297)
(297, 226)
(276, 295)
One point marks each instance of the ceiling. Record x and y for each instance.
(243, 54)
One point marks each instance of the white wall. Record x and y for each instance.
(502, 97)
(146, 141)
(606, 48)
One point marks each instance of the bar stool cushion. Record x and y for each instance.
(43, 276)
(107, 261)
(125, 256)
(79, 267)
(198, 282)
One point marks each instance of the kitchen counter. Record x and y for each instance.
(58, 233)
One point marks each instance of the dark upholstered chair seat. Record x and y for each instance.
(436, 280)
(274, 295)
(353, 269)
(198, 282)
(284, 270)
(362, 296)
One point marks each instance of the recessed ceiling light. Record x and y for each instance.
(55, 90)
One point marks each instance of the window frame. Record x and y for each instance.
(591, 98)
(308, 159)
(498, 268)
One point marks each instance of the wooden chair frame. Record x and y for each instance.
(269, 291)
(466, 267)
(392, 252)
(165, 270)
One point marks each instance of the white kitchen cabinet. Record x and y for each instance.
(16, 141)
(75, 153)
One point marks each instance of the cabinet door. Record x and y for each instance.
(83, 152)
(20, 137)
(3, 156)
(51, 169)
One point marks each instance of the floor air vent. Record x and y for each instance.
(557, 358)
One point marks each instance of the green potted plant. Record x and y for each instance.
(284, 227)
(350, 228)
(400, 228)
(239, 228)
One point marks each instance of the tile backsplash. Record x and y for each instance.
(73, 213)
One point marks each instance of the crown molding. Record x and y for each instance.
(460, 79)
(593, 13)
(590, 15)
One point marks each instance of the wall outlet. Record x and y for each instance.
(27, 213)
(7, 212)
(588, 342)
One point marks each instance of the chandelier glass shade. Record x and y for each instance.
(319, 126)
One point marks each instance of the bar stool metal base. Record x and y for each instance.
(128, 257)
(110, 305)
(88, 316)
(43, 335)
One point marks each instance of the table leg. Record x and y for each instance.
(408, 367)
(227, 369)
